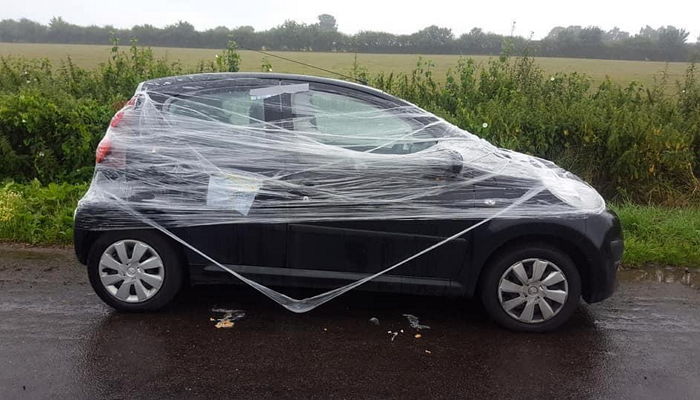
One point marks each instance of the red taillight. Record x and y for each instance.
(116, 119)
(103, 149)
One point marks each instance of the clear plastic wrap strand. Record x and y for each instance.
(309, 303)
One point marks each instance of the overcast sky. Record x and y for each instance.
(536, 17)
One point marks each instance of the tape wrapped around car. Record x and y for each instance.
(181, 153)
(288, 153)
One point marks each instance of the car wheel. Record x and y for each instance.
(135, 270)
(531, 288)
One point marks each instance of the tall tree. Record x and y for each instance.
(432, 39)
(326, 23)
(615, 35)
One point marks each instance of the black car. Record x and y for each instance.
(292, 180)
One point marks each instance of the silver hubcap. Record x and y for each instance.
(131, 271)
(533, 290)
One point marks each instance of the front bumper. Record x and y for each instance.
(602, 281)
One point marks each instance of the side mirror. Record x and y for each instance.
(456, 163)
(443, 164)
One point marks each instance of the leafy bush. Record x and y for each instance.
(51, 119)
(49, 137)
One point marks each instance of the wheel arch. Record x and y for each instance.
(567, 239)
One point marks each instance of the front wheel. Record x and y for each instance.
(533, 288)
(135, 270)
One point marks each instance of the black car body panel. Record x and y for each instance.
(326, 255)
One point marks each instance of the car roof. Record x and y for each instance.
(175, 83)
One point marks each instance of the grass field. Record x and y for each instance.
(91, 55)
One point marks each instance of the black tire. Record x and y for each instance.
(491, 278)
(172, 265)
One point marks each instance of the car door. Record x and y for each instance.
(232, 101)
(353, 120)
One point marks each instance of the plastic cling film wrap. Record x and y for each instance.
(314, 152)
(256, 148)
(309, 303)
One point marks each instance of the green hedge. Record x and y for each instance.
(51, 118)
(634, 143)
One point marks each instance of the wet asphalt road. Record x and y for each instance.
(57, 340)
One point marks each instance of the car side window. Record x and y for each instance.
(356, 123)
(232, 105)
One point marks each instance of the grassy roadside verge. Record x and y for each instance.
(43, 215)
(659, 235)
(38, 214)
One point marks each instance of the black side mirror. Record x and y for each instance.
(456, 163)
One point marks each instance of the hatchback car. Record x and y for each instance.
(311, 182)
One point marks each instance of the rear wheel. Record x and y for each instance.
(135, 270)
(534, 288)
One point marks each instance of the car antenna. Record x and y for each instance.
(362, 81)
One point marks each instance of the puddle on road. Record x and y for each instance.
(685, 276)
(653, 301)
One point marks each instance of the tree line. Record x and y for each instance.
(666, 43)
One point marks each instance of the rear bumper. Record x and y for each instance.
(81, 244)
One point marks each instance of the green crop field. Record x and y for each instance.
(90, 55)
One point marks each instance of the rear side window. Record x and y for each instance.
(232, 106)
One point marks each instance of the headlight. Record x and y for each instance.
(575, 193)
